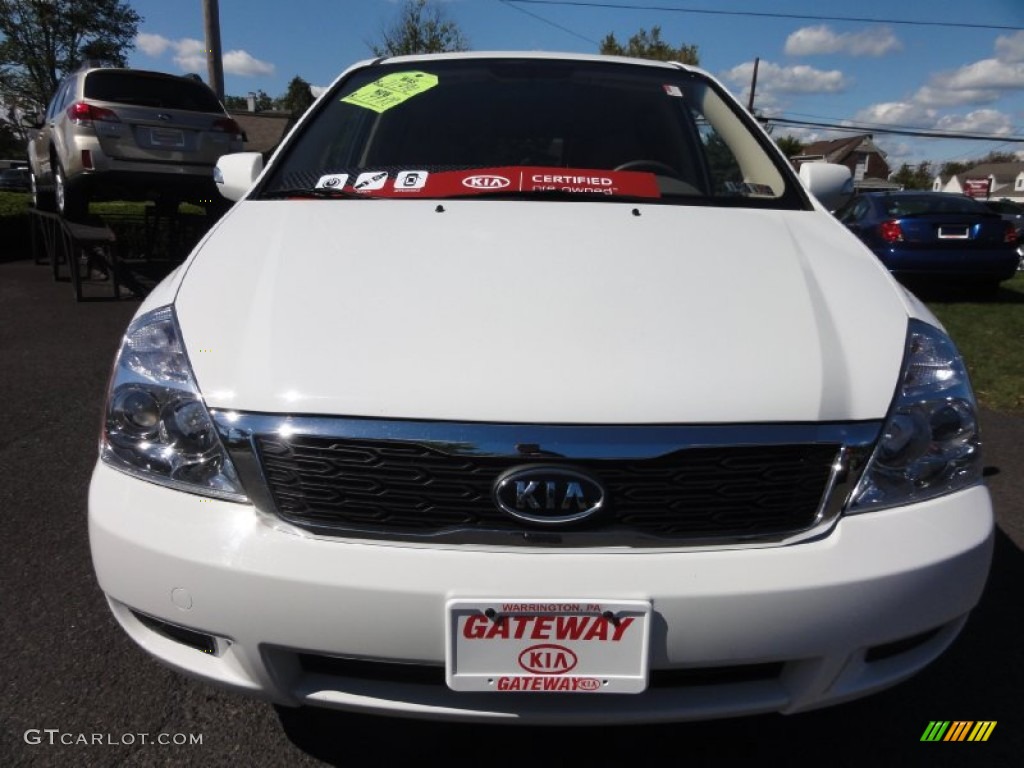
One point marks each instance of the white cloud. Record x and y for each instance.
(1010, 48)
(152, 45)
(902, 113)
(245, 64)
(810, 41)
(797, 79)
(979, 121)
(190, 55)
(906, 114)
(981, 82)
(984, 74)
(930, 96)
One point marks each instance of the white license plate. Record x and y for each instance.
(953, 233)
(548, 646)
(167, 137)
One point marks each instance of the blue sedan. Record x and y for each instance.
(922, 235)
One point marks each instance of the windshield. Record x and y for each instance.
(150, 89)
(920, 205)
(531, 128)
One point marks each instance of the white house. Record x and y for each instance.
(1006, 180)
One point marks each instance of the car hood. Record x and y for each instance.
(540, 311)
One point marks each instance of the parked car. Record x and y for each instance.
(129, 134)
(1013, 213)
(1009, 210)
(15, 180)
(922, 235)
(479, 405)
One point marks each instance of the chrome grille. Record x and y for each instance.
(666, 486)
(409, 488)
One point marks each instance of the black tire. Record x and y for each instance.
(42, 199)
(71, 205)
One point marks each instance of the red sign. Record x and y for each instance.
(484, 181)
(977, 187)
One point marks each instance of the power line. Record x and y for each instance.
(549, 22)
(765, 14)
(916, 132)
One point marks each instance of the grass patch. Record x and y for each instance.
(124, 208)
(14, 203)
(990, 335)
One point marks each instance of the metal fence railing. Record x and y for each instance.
(115, 255)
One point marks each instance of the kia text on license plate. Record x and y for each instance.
(548, 646)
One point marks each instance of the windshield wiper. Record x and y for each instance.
(319, 193)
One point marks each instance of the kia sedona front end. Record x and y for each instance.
(479, 406)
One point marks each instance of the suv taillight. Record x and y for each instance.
(1011, 233)
(81, 112)
(227, 125)
(890, 231)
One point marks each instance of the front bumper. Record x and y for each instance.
(303, 620)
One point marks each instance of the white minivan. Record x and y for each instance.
(538, 388)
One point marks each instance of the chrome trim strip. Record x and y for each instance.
(533, 442)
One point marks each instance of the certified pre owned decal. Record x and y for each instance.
(391, 90)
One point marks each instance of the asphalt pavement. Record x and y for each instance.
(75, 691)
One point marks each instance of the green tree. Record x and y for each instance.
(11, 145)
(263, 102)
(998, 157)
(297, 99)
(43, 40)
(649, 45)
(420, 28)
(917, 177)
(790, 145)
(953, 168)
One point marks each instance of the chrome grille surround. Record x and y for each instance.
(840, 451)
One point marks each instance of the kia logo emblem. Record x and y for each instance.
(548, 495)
(547, 659)
(485, 181)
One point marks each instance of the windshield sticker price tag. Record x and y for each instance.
(391, 90)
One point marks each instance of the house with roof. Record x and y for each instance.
(1005, 181)
(263, 130)
(866, 161)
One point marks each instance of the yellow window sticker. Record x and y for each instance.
(391, 90)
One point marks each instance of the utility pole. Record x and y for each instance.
(753, 86)
(214, 64)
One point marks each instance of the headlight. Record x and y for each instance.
(930, 444)
(157, 427)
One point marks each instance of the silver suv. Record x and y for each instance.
(128, 134)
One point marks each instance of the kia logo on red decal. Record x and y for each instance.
(485, 181)
(547, 659)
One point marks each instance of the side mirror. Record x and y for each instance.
(832, 184)
(234, 174)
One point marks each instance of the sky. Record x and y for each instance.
(937, 65)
